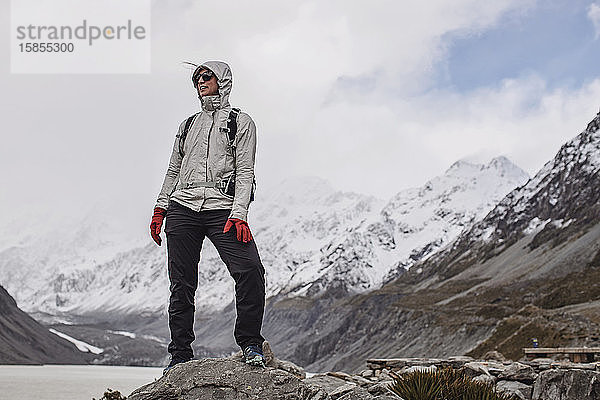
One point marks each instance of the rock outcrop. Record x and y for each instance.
(539, 379)
(227, 379)
(230, 378)
(564, 384)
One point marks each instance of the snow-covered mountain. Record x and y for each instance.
(530, 268)
(311, 237)
(559, 201)
(383, 241)
(48, 259)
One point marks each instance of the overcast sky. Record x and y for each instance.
(374, 96)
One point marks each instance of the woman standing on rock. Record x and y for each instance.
(206, 192)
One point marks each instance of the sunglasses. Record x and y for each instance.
(205, 76)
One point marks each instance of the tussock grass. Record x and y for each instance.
(445, 384)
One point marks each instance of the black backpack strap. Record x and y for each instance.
(232, 125)
(231, 131)
(188, 124)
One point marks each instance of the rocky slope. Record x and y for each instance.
(24, 341)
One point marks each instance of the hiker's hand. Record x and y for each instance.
(156, 224)
(241, 227)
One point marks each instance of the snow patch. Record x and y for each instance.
(535, 225)
(124, 333)
(487, 234)
(156, 339)
(81, 346)
(559, 223)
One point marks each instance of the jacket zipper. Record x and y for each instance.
(208, 147)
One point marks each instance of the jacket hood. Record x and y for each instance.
(225, 80)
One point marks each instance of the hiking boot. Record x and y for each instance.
(174, 362)
(253, 355)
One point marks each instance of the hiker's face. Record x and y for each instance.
(209, 87)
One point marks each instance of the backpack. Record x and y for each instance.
(229, 187)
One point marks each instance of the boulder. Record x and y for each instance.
(227, 379)
(563, 384)
(367, 373)
(518, 372)
(342, 390)
(518, 390)
(473, 369)
(383, 375)
(541, 364)
(361, 381)
(381, 388)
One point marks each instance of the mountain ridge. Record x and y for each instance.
(307, 232)
(494, 288)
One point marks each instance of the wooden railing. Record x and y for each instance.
(576, 354)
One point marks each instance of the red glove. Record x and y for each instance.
(156, 224)
(241, 227)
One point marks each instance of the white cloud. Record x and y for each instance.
(336, 89)
(295, 72)
(594, 16)
(401, 143)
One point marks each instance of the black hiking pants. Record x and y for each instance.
(186, 230)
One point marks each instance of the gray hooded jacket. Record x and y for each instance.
(208, 157)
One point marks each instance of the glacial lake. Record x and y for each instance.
(70, 382)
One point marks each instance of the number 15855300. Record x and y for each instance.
(46, 47)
